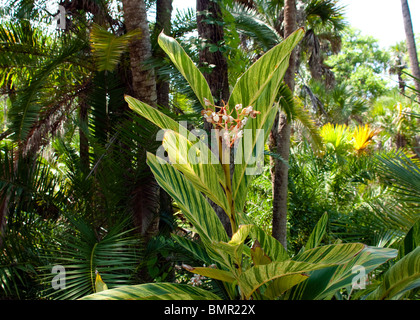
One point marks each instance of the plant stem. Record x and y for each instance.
(224, 153)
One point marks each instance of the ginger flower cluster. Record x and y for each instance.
(222, 119)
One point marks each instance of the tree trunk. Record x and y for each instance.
(145, 197)
(280, 140)
(163, 23)
(411, 44)
(83, 139)
(212, 36)
(143, 78)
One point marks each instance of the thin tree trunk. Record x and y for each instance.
(217, 75)
(143, 78)
(84, 142)
(280, 139)
(212, 34)
(163, 23)
(4, 207)
(411, 44)
(145, 197)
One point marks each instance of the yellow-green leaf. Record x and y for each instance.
(154, 291)
(206, 176)
(258, 256)
(99, 284)
(212, 273)
(187, 68)
(281, 285)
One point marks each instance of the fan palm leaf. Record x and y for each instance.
(84, 252)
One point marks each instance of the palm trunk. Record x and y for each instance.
(212, 34)
(145, 197)
(411, 44)
(83, 139)
(163, 23)
(280, 140)
(217, 74)
(143, 78)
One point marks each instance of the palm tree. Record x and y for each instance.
(411, 44)
(280, 135)
(146, 195)
(398, 65)
(210, 31)
(163, 23)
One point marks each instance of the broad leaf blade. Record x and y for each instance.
(154, 291)
(330, 254)
(400, 278)
(258, 256)
(261, 81)
(325, 282)
(317, 233)
(187, 68)
(255, 277)
(310, 260)
(194, 160)
(259, 87)
(193, 204)
(271, 246)
(212, 273)
(153, 115)
(281, 285)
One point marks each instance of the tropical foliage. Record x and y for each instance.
(106, 193)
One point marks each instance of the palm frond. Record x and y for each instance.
(83, 251)
(250, 23)
(295, 110)
(108, 48)
(25, 110)
(184, 22)
(403, 173)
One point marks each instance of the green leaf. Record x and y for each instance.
(196, 249)
(411, 240)
(25, 109)
(325, 282)
(154, 115)
(281, 285)
(212, 273)
(107, 47)
(154, 291)
(256, 276)
(317, 233)
(330, 254)
(258, 256)
(232, 250)
(100, 285)
(240, 236)
(271, 246)
(310, 260)
(187, 68)
(195, 161)
(400, 278)
(259, 87)
(193, 204)
(245, 171)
